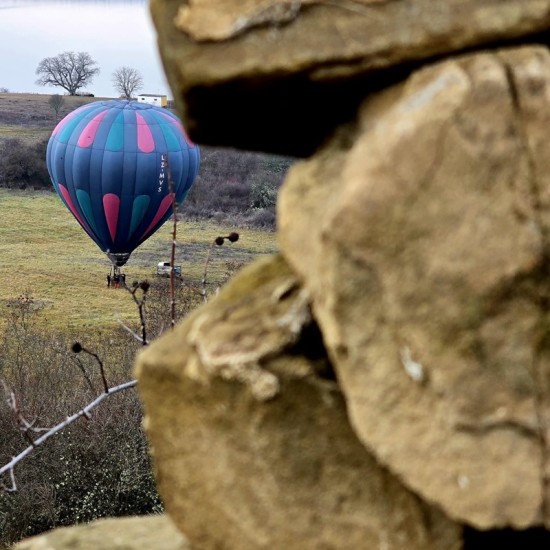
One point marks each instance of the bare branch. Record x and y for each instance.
(140, 302)
(205, 271)
(84, 373)
(173, 250)
(25, 427)
(13, 487)
(128, 329)
(78, 348)
(232, 237)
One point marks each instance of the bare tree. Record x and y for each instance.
(127, 81)
(56, 102)
(69, 70)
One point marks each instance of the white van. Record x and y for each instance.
(163, 269)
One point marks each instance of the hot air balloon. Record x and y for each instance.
(111, 161)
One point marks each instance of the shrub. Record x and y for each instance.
(23, 165)
(261, 218)
(91, 469)
(263, 194)
(231, 183)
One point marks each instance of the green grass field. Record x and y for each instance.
(44, 251)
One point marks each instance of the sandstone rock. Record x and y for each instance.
(133, 533)
(251, 440)
(422, 235)
(277, 75)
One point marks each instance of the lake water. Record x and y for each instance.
(114, 32)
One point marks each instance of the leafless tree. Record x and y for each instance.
(127, 81)
(56, 102)
(69, 70)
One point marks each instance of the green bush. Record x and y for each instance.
(263, 194)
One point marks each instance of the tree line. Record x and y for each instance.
(73, 71)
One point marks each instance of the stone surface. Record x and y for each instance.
(278, 75)
(132, 533)
(421, 233)
(251, 440)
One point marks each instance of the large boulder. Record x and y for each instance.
(422, 234)
(131, 533)
(278, 76)
(251, 440)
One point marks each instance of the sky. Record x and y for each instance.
(114, 32)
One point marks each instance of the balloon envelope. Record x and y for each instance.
(110, 162)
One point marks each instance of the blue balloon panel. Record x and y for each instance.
(110, 161)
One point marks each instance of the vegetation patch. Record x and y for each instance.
(94, 468)
(232, 188)
(47, 253)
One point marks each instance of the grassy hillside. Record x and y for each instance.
(30, 110)
(44, 251)
(30, 117)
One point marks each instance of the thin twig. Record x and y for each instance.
(128, 329)
(25, 427)
(205, 272)
(13, 487)
(173, 251)
(77, 348)
(232, 237)
(84, 373)
(140, 303)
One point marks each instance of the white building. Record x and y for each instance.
(153, 99)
